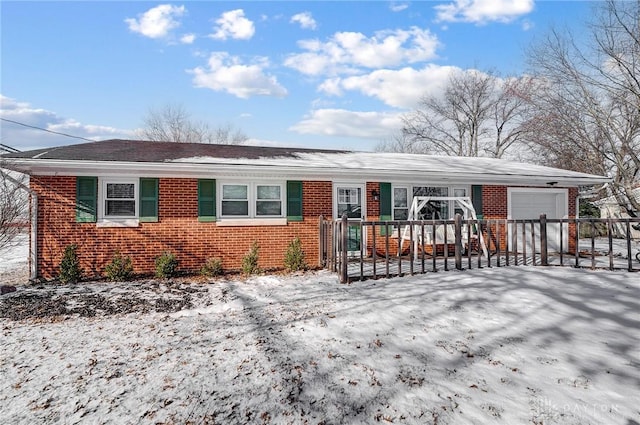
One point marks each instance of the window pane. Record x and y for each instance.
(239, 208)
(400, 213)
(430, 191)
(234, 191)
(120, 208)
(268, 192)
(348, 196)
(120, 190)
(459, 192)
(400, 197)
(436, 210)
(268, 208)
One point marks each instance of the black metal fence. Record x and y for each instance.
(359, 250)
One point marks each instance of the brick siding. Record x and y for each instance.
(193, 242)
(178, 231)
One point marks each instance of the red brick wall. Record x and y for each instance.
(373, 205)
(178, 230)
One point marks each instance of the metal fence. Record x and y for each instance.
(359, 250)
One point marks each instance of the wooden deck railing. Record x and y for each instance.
(359, 250)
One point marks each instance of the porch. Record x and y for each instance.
(383, 249)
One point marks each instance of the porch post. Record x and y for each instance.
(544, 258)
(458, 244)
(344, 239)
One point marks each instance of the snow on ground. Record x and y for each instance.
(14, 261)
(511, 345)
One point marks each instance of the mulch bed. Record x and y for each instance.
(50, 301)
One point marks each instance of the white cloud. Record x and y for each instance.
(26, 138)
(345, 52)
(400, 88)
(227, 73)
(233, 24)
(305, 20)
(483, 11)
(188, 38)
(157, 22)
(341, 122)
(398, 7)
(527, 25)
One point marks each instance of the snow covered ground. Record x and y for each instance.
(14, 261)
(518, 345)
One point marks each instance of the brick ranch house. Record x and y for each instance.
(200, 201)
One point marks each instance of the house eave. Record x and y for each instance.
(302, 172)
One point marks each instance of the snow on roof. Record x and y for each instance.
(395, 162)
(183, 159)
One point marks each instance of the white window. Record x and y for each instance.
(118, 202)
(400, 203)
(235, 200)
(119, 198)
(251, 200)
(434, 210)
(269, 200)
(438, 210)
(349, 202)
(459, 192)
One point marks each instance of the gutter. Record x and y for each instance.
(285, 171)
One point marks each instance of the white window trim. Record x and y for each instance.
(221, 198)
(282, 187)
(393, 198)
(252, 219)
(117, 221)
(410, 187)
(363, 201)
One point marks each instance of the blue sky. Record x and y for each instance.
(313, 74)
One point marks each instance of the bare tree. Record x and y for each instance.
(478, 114)
(14, 206)
(399, 142)
(172, 123)
(588, 109)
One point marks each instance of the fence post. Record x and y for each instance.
(458, 245)
(544, 258)
(344, 239)
(629, 260)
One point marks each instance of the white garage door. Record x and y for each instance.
(529, 204)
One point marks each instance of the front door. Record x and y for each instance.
(350, 201)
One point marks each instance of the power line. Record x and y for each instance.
(48, 131)
(8, 148)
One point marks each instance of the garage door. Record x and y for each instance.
(526, 204)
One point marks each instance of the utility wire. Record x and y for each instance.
(48, 131)
(9, 149)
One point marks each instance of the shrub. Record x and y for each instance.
(120, 268)
(250, 261)
(294, 257)
(212, 267)
(70, 270)
(166, 265)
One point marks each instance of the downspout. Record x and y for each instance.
(33, 239)
(33, 219)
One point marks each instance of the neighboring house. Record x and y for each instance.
(609, 208)
(200, 200)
